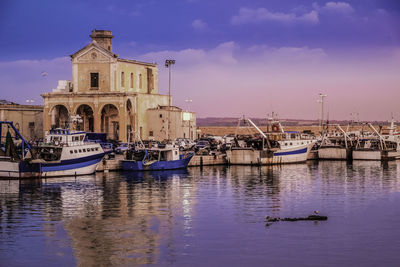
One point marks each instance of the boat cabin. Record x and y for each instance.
(155, 154)
(64, 137)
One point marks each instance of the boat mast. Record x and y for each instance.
(346, 136)
(383, 144)
(258, 129)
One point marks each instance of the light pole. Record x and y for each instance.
(321, 100)
(168, 64)
(188, 101)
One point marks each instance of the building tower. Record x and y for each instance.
(103, 38)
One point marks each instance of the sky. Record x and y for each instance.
(233, 57)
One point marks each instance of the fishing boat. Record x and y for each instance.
(336, 145)
(64, 152)
(155, 159)
(273, 147)
(381, 146)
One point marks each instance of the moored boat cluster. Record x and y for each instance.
(65, 152)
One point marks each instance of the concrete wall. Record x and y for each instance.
(139, 72)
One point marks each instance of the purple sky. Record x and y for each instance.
(233, 57)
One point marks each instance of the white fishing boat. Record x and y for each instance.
(382, 146)
(336, 145)
(274, 147)
(65, 153)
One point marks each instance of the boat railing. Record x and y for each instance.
(65, 144)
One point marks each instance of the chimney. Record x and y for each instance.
(103, 38)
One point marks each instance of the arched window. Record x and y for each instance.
(140, 81)
(122, 79)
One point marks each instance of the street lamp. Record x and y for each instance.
(168, 64)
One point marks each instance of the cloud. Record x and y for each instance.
(290, 55)
(199, 25)
(248, 15)
(221, 54)
(296, 15)
(335, 7)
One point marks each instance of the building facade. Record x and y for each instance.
(182, 124)
(110, 94)
(26, 118)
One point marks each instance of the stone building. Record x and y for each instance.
(26, 118)
(111, 95)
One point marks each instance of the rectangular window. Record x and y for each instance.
(151, 133)
(122, 79)
(94, 80)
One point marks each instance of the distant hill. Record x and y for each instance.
(230, 121)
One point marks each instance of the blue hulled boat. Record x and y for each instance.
(155, 159)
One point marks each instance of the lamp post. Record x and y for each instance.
(321, 100)
(168, 64)
(188, 101)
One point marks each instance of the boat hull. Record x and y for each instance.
(312, 155)
(375, 155)
(132, 165)
(334, 153)
(70, 167)
(18, 169)
(256, 157)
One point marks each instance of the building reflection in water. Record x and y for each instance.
(133, 223)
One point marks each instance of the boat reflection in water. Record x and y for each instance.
(159, 175)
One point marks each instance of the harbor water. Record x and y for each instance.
(210, 216)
